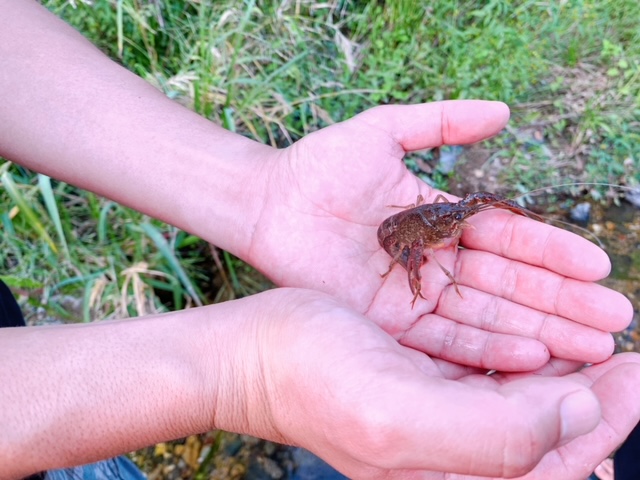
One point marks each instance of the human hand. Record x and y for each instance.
(527, 291)
(319, 375)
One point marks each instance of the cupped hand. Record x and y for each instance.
(527, 291)
(319, 375)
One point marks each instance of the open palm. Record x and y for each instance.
(524, 284)
(330, 380)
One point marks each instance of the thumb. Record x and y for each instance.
(450, 122)
(459, 428)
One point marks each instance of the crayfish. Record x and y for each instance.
(423, 228)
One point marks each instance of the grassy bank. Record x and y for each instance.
(275, 71)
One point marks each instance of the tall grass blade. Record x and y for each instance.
(77, 279)
(86, 301)
(120, 27)
(165, 250)
(44, 183)
(201, 102)
(26, 210)
(237, 38)
(268, 80)
(102, 222)
(7, 224)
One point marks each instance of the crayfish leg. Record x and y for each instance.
(441, 199)
(415, 297)
(419, 201)
(397, 258)
(431, 254)
(391, 265)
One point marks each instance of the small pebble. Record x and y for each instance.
(448, 158)
(581, 212)
(633, 197)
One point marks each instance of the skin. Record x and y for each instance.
(604, 471)
(340, 364)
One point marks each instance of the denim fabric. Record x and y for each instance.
(119, 468)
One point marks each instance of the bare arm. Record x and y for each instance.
(70, 112)
(75, 394)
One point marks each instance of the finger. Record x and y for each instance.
(449, 340)
(536, 243)
(583, 302)
(454, 371)
(555, 367)
(564, 338)
(617, 386)
(605, 469)
(427, 125)
(437, 367)
(592, 374)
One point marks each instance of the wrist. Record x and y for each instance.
(264, 364)
(209, 182)
(241, 339)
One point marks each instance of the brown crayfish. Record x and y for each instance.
(423, 228)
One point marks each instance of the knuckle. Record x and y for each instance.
(380, 437)
(522, 450)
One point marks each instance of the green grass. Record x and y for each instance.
(276, 71)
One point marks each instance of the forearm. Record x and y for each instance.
(73, 394)
(70, 112)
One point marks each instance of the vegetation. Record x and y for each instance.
(277, 70)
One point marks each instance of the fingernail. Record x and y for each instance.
(579, 413)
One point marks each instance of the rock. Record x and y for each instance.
(633, 197)
(448, 158)
(581, 212)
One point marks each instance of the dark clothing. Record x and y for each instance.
(10, 314)
(626, 461)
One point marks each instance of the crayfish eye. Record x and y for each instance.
(458, 216)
